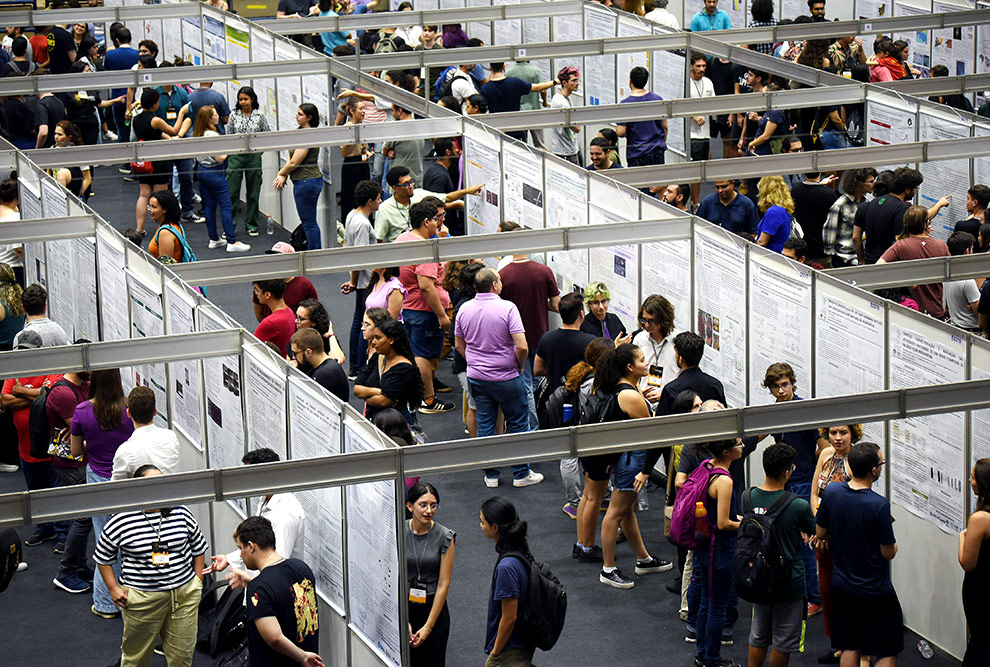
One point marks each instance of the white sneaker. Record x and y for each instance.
(219, 243)
(22, 566)
(529, 480)
(197, 199)
(491, 482)
(238, 246)
(9, 467)
(110, 136)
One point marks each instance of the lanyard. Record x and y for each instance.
(158, 531)
(657, 351)
(419, 559)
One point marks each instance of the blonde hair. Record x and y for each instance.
(596, 290)
(774, 192)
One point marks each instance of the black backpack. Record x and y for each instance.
(39, 428)
(762, 573)
(298, 240)
(542, 621)
(10, 556)
(222, 622)
(551, 411)
(596, 407)
(447, 89)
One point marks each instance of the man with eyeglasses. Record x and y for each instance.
(729, 211)
(306, 347)
(392, 218)
(808, 444)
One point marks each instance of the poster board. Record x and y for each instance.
(192, 40)
(262, 50)
(86, 321)
(264, 400)
(567, 206)
(568, 29)
(620, 202)
(618, 267)
(112, 292)
(953, 47)
(186, 377)
(537, 31)
(599, 71)
(720, 308)
(668, 78)
(238, 36)
(666, 268)
(480, 29)
(890, 120)
(630, 27)
(482, 167)
(58, 255)
(919, 41)
(171, 44)
(147, 319)
(945, 177)
(737, 10)
(522, 185)
(509, 31)
(927, 460)
(373, 558)
(311, 415)
(872, 9)
(288, 88)
(214, 39)
(981, 165)
(979, 420)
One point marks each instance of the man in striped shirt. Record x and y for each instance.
(163, 554)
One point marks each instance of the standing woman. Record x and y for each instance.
(11, 254)
(429, 563)
(307, 180)
(170, 238)
(618, 372)
(213, 185)
(974, 557)
(76, 180)
(355, 168)
(503, 644)
(600, 322)
(777, 205)
(149, 127)
(386, 292)
(390, 379)
(99, 426)
(247, 118)
(11, 310)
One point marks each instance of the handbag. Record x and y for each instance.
(144, 167)
(61, 447)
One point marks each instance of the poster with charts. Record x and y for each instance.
(981, 165)
(86, 323)
(668, 82)
(482, 167)
(522, 186)
(112, 286)
(537, 31)
(872, 9)
(214, 40)
(186, 376)
(629, 27)
(172, 39)
(314, 430)
(289, 89)
(264, 401)
(262, 50)
(509, 31)
(943, 178)
(890, 120)
(238, 34)
(979, 419)
(567, 206)
(568, 29)
(373, 558)
(919, 41)
(927, 460)
(224, 386)
(599, 71)
(667, 272)
(618, 267)
(147, 320)
(720, 309)
(845, 321)
(953, 47)
(192, 40)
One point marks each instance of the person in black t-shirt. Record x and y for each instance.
(977, 200)
(284, 626)
(505, 93)
(306, 346)
(438, 177)
(61, 50)
(725, 77)
(48, 113)
(559, 350)
(812, 200)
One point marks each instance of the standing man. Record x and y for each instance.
(307, 351)
(919, 245)
(284, 626)
(730, 211)
(678, 196)
(281, 324)
(817, 10)
(855, 523)
(780, 626)
(646, 140)
(148, 443)
(977, 200)
(203, 96)
(527, 71)
(689, 348)
(505, 93)
(489, 333)
(48, 113)
(297, 288)
(61, 49)
(358, 231)
(699, 127)
(392, 218)
(405, 152)
(34, 300)
(807, 445)
(424, 308)
(563, 143)
(429, 39)
(170, 100)
(661, 16)
(599, 152)
(710, 18)
(123, 57)
(813, 197)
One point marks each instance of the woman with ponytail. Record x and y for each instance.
(617, 375)
(503, 644)
(975, 560)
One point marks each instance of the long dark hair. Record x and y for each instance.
(981, 473)
(167, 201)
(683, 402)
(386, 275)
(984, 237)
(400, 344)
(311, 111)
(249, 91)
(107, 394)
(391, 422)
(582, 369)
(317, 315)
(716, 448)
(511, 529)
(611, 367)
(420, 489)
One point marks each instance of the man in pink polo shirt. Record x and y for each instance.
(489, 333)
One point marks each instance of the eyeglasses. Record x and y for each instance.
(440, 216)
(408, 184)
(728, 186)
(781, 386)
(644, 321)
(881, 464)
(296, 353)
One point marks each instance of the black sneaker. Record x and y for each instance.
(192, 218)
(653, 566)
(674, 586)
(39, 537)
(727, 640)
(436, 407)
(725, 662)
(690, 636)
(593, 556)
(575, 551)
(829, 658)
(615, 579)
(59, 547)
(440, 387)
(71, 584)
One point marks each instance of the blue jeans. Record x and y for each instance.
(184, 170)
(41, 475)
(357, 350)
(213, 190)
(101, 594)
(807, 554)
(307, 195)
(831, 139)
(717, 605)
(489, 396)
(527, 376)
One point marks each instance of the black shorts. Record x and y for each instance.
(720, 127)
(873, 626)
(597, 467)
(700, 150)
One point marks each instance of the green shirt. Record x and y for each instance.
(392, 218)
(796, 519)
(529, 73)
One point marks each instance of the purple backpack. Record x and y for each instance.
(683, 522)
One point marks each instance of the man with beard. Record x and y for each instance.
(307, 350)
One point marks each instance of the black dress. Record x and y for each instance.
(976, 585)
(143, 130)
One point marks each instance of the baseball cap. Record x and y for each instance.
(279, 248)
(29, 340)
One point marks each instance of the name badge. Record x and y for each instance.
(159, 553)
(654, 379)
(171, 114)
(417, 595)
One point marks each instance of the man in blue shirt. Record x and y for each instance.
(203, 96)
(124, 57)
(646, 140)
(710, 18)
(727, 209)
(854, 523)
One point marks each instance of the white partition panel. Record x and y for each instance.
(569, 29)
(264, 399)
(946, 177)
(171, 44)
(147, 319)
(522, 185)
(537, 31)
(979, 434)
(480, 29)
(483, 211)
(720, 308)
(509, 31)
(111, 261)
(86, 322)
(666, 268)
(567, 206)
(617, 267)
(780, 307)
(599, 71)
(621, 202)
(186, 377)
(872, 9)
(981, 165)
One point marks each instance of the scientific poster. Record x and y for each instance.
(112, 287)
(919, 41)
(872, 9)
(522, 186)
(943, 177)
(599, 71)
(953, 47)
(264, 401)
(172, 39)
(720, 309)
(537, 31)
(238, 50)
(192, 40)
(667, 272)
(186, 376)
(981, 165)
(979, 419)
(316, 90)
(567, 206)
(509, 31)
(214, 40)
(373, 559)
(480, 29)
(86, 322)
(926, 453)
(310, 415)
(568, 29)
(668, 82)
(262, 50)
(618, 267)
(147, 320)
(789, 9)
(61, 292)
(289, 89)
(890, 121)
(847, 322)
(982, 50)
(153, 31)
(629, 27)
(481, 166)
(34, 263)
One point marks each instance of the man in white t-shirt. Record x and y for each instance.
(461, 84)
(359, 231)
(149, 444)
(661, 16)
(699, 131)
(563, 143)
(961, 298)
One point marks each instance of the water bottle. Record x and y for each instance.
(270, 229)
(701, 528)
(925, 650)
(567, 412)
(643, 501)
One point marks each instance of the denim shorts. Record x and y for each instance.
(625, 470)
(425, 335)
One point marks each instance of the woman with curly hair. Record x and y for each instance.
(312, 313)
(777, 205)
(11, 311)
(390, 379)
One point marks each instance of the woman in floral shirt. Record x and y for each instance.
(246, 118)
